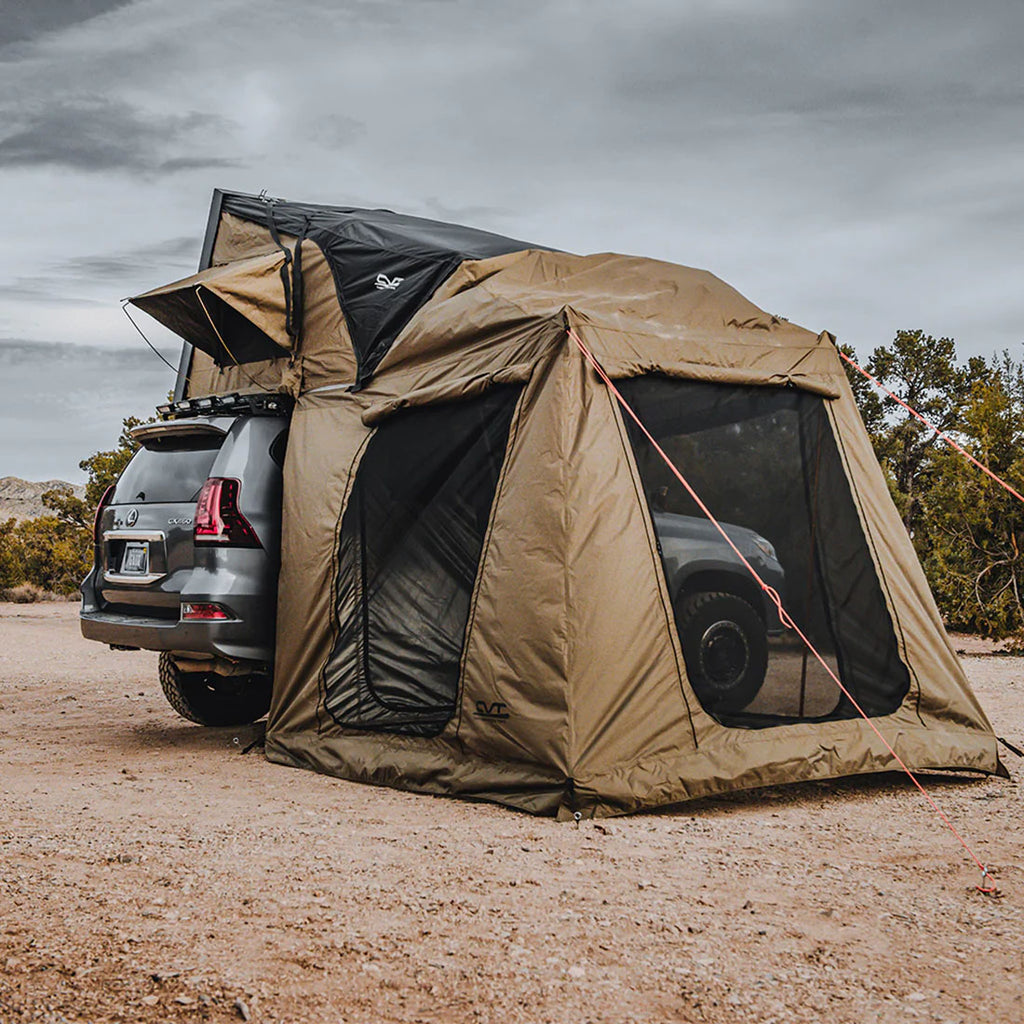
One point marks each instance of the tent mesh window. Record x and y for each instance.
(765, 462)
(238, 339)
(410, 544)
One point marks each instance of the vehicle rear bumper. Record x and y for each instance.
(223, 639)
(249, 636)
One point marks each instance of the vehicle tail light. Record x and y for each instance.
(104, 502)
(218, 520)
(203, 610)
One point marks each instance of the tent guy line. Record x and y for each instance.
(220, 337)
(931, 426)
(987, 885)
(155, 350)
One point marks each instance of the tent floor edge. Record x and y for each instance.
(629, 789)
(408, 769)
(428, 766)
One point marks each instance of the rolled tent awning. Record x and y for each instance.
(236, 312)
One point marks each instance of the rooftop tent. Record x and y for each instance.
(370, 269)
(492, 586)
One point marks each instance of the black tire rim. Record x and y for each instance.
(724, 654)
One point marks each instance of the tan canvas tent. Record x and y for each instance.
(491, 583)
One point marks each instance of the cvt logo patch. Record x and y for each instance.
(387, 284)
(495, 710)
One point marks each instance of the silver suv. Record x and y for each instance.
(187, 553)
(722, 616)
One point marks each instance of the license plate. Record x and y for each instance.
(136, 558)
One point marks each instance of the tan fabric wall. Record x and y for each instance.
(571, 623)
(515, 650)
(324, 441)
(329, 428)
(625, 670)
(256, 291)
(572, 628)
(939, 724)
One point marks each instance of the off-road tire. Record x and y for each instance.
(725, 646)
(209, 699)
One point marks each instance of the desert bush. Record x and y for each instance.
(48, 553)
(12, 572)
(29, 593)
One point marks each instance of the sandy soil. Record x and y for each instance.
(152, 871)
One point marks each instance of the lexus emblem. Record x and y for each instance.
(132, 517)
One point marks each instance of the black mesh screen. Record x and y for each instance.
(765, 462)
(409, 547)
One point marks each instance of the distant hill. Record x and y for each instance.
(22, 498)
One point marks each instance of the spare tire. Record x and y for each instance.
(210, 699)
(725, 646)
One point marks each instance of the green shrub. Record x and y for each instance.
(53, 552)
(967, 530)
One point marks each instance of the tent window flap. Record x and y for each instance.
(409, 549)
(234, 312)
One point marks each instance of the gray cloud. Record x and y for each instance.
(64, 281)
(195, 163)
(99, 134)
(42, 289)
(335, 130)
(29, 19)
(464, 214)
(855, 168)
(172, 252)
(62, 402)
(886, 63)
(18, 352)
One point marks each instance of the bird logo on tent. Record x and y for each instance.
(387, 284)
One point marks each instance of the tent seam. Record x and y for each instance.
(667, 335)
(569, 793)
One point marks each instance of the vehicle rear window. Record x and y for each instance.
(169, 470)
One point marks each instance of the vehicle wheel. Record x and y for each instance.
(210, 699)
(725, 647)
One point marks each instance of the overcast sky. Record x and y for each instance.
(853, 167)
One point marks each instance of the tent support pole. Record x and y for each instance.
(205, 259)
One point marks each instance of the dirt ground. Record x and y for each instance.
(151, 870)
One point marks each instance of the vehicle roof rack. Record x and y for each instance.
(233, 404)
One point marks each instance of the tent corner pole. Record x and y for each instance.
(205, 259)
